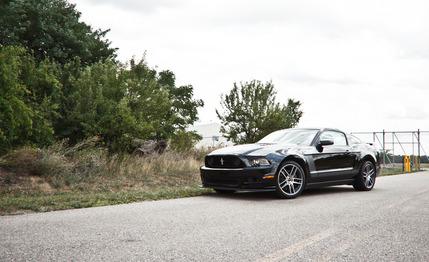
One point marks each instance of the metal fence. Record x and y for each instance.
(395, 144)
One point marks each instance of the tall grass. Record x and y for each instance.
(84, 175)
(84, 167)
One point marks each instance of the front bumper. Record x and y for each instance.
(238, 178)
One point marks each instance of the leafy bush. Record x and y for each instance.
(106, 99)
(184, 141)
(119, 104)
(29, 93)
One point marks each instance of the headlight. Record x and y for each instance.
(259, 161)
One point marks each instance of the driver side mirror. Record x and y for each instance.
(323, 143)
(326, 142)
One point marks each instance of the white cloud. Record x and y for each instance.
(351, 63)
(409, 113)
(146, 6)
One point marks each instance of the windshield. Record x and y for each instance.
(290, 136)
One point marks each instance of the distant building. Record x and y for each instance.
(211, 135)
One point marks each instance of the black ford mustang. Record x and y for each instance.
(290, 160)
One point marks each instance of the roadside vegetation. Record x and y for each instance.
(397, 170)
(60, 80)
(75, 122)
(61, 177)
(86, 175)
(389, 171)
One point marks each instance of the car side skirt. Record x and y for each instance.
(330, 183)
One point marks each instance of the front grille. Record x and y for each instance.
(224, 161)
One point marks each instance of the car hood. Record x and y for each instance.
(251, 149)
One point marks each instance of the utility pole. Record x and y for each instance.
(418, 149)
(393, 147)
(384, 148)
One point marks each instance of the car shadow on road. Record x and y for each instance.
(328, 190)
(271, 195)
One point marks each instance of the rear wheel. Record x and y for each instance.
(365, 181)
(290, 180)
(224, 191)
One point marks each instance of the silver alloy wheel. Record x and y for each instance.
(290, 179)
(368, 173)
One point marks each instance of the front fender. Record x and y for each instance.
(278, 158)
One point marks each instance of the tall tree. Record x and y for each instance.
(184, 110)
(57, 78)
(123, 103)
(52, 29)
(250, 112)
(29, 94)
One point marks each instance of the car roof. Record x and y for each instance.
(314, 128)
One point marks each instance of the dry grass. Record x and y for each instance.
(81, 173)
(424, 165)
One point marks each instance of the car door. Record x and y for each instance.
(333, 162)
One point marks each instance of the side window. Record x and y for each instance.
(353, 140)
(338, 138)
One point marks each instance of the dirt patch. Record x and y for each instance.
(23, 181)
(41, 184)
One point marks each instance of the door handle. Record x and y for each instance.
(347, 152)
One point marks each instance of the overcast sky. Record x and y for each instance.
(355, 65)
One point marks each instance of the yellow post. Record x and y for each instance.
(407, 164)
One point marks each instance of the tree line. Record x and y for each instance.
(60, 79)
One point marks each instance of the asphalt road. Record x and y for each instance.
(390, 223)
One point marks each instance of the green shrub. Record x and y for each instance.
(184, 141)
(29, 95)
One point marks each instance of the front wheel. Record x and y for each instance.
(290, 180)
(365, 181)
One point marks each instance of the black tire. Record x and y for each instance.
(224, 191)
(289, 188)
(362, 181)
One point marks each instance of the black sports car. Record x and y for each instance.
(291, 160)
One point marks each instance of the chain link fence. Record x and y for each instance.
(394, 145)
